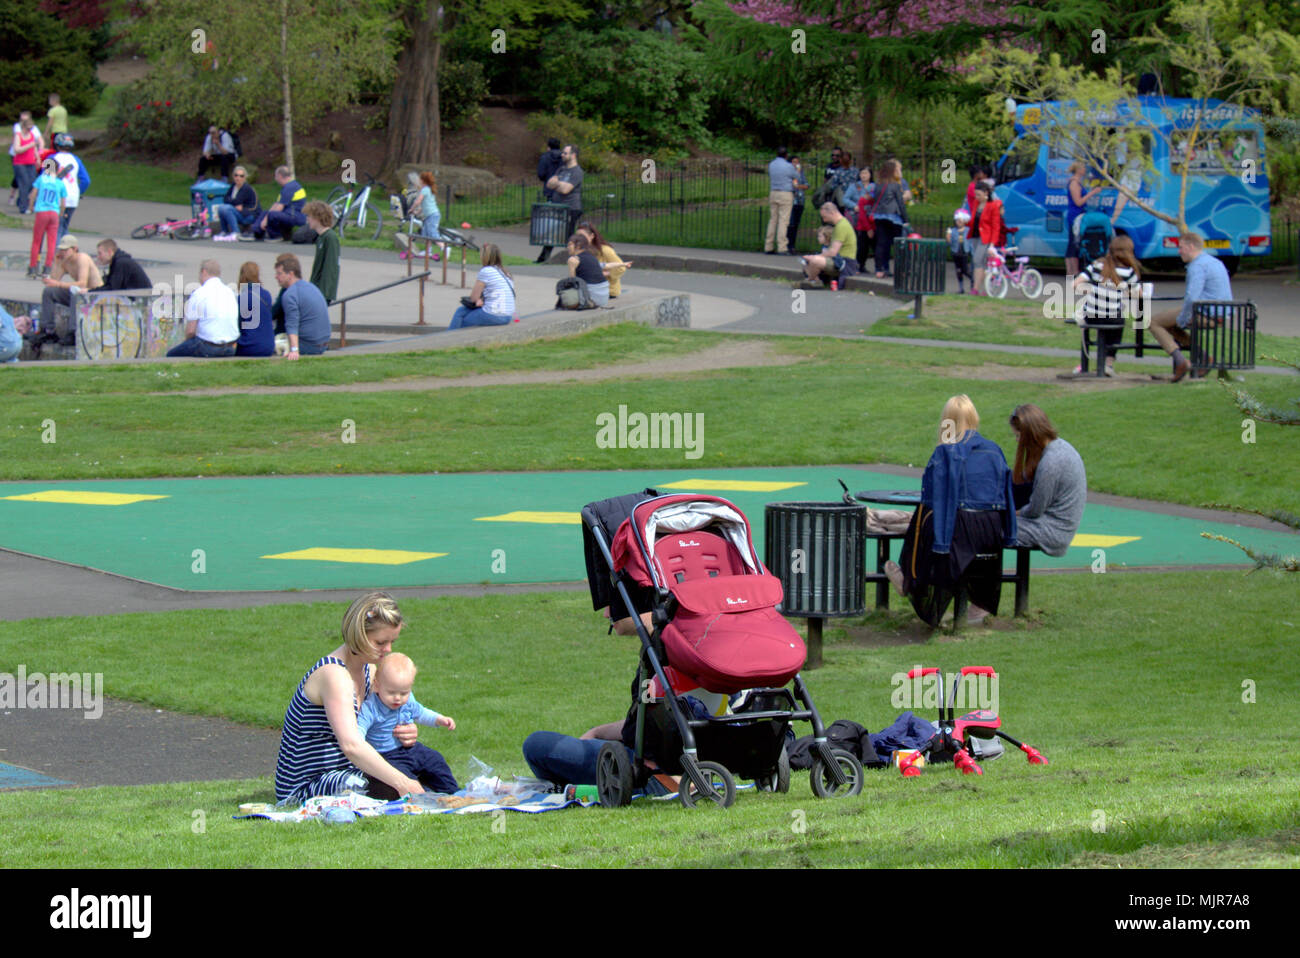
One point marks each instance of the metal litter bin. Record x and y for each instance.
(549, 225)
(816, 549)
(920, 268)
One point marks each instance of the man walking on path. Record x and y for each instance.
(781, 176)
(1207, 279)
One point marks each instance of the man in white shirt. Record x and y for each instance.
(211, 317)
(218, 151)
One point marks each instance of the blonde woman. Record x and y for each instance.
(966, 516)
(607, 256)
(322, 752)
(493, 295)
(1077, 200)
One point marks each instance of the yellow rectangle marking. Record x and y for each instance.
(358, 556)
(1101, 542)
(79, 497)
(731, 485)
(544, 518)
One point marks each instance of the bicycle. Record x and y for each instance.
(349, 205)
(190, 229)
(998, 278)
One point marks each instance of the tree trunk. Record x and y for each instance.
(415, 118)
(868, 151)
(284, 79)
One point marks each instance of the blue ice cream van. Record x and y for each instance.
(1227, 189)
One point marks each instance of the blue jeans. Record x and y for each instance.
(25, 174)
(311, 349)
(232, 219)
(200, 347)
(563, 759)
(64, 220)
(476, 317)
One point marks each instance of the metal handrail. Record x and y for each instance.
(343, 317)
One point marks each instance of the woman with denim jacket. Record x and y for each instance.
(966, 517)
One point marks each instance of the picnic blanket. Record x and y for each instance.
(483, 794)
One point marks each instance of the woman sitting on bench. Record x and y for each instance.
(1109, 285)
(1050, 484)
(965, 519)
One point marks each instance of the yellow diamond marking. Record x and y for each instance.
(544, 518)
(731, 485)
(358, 556)
(1101, 542)
(78, 497)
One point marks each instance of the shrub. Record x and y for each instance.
(654, 85)
(461, 89)
(597, 142)
(146, 119)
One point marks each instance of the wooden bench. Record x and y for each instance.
(883, 586)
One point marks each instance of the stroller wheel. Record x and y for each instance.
(778, 780)
(823, 781)
(719, 779)
(614, 775)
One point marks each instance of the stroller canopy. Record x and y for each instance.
(634, 545)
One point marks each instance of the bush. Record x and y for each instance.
(654, 85)
(39, 55)
(145, 119)
(461, 90)
(597, 142)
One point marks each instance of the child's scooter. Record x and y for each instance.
(949, 743)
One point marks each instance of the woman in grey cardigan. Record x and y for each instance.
(1051, 485)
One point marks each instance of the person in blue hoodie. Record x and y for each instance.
(966, 517)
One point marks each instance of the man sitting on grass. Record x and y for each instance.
(839, 260)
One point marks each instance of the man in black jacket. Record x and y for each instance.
(120, 270)
(547, 165)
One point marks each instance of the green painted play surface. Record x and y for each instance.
(238, 523)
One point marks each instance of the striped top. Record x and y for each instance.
(308, 748)
(498, 292)
(1105, 300)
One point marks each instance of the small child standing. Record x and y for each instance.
(391, 704)
(959, 243)
(430, 215)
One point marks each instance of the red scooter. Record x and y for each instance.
(949, 743)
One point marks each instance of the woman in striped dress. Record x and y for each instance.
(321, 750)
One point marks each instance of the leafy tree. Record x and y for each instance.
(1211, 62)
(905, 47)
(40, 55)
(244, 62)
(654, 85)
(424, 26)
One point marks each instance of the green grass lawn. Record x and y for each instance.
(843, 402)
(1151, 724)
(1018, 322)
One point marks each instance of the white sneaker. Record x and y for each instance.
(1110, 370)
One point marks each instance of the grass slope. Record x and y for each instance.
(1152, 727)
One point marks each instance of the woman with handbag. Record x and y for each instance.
(492, 300)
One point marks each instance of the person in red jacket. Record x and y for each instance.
(986, 229)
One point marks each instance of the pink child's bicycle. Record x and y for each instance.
(196, 228)
(998, 278)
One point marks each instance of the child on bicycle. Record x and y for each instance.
(959, 243)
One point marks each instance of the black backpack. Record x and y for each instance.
(234, 139)
(841, 733)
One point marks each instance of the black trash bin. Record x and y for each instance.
(1223, 336)
(920, 268)
(816, 549)
(549, 225)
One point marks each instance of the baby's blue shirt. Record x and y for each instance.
(377, 721)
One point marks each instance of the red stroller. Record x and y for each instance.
(716, 628)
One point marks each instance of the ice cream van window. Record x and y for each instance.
(1217, 152)
(1021, 159)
